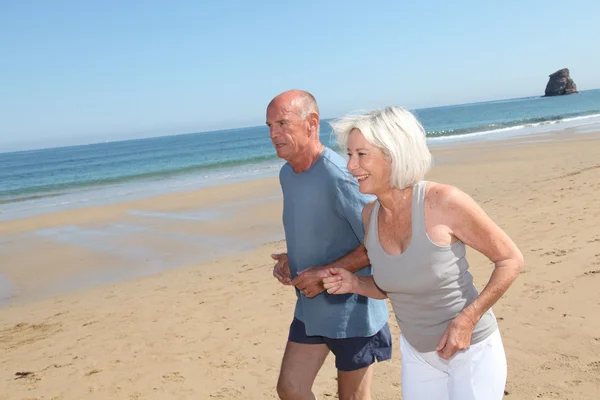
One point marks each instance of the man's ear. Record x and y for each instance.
(313, 123)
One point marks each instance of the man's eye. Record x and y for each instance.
(282, 123)
(362, 154)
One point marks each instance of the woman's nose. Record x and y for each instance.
(352, 164)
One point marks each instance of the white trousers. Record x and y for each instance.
(478, 373)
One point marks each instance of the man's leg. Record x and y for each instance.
(301, 363)
(303, 358)
(355, 385)
(354, 359)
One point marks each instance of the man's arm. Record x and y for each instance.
(356, 260)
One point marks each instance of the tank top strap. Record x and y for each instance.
(373, 233)
(418, 211)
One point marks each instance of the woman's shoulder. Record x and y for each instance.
(366, 213)
(443, 196)
(368, 209)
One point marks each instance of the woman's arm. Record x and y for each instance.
(469, 223)
(342, 281)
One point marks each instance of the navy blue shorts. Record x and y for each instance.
(350, 353)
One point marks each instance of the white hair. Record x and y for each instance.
(398, 133)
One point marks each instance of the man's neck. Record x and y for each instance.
(304, 161)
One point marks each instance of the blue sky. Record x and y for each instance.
(83, 71)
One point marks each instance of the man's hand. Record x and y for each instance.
(309, 282)
(281, 271)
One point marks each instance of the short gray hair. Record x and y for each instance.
(398, 133)
(305, 104)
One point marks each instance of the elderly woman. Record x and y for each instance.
(415, 234)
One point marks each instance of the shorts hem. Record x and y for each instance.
(377, 358)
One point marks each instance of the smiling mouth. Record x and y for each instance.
(280, 145)
(362, 177)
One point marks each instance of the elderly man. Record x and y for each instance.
(323, 228)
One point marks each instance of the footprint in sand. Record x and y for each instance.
(24, 333)
(560, 252)
(544, 395)
(595, 365)
(226, 393)
(93, 372)
(27, 376)
(173, 377)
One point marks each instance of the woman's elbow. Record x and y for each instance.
(519, 261)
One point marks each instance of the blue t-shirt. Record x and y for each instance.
(322, 221)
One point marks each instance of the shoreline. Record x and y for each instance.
(137, 189)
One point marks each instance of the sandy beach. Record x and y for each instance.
(172, 297)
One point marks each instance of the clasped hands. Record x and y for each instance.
(309, 281)
(314, 280)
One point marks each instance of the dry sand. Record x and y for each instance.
(217, 329)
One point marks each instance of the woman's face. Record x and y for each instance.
(368, 164)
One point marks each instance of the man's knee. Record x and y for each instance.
(355, 385)
(288, 389)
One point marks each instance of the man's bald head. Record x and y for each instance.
(301, 101)
(293, 121)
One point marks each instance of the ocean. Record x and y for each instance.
(47, 180)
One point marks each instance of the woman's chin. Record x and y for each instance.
(364, 188)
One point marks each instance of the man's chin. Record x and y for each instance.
(281, 152)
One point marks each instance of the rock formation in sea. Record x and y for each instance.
(560, 83)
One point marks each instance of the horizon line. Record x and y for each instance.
(323, 119)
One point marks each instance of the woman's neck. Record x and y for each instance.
(395, 200)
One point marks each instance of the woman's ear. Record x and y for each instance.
(386, 155)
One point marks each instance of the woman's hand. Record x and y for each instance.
(339, 281)
(457, 336)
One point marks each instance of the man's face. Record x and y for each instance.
(288, 132)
